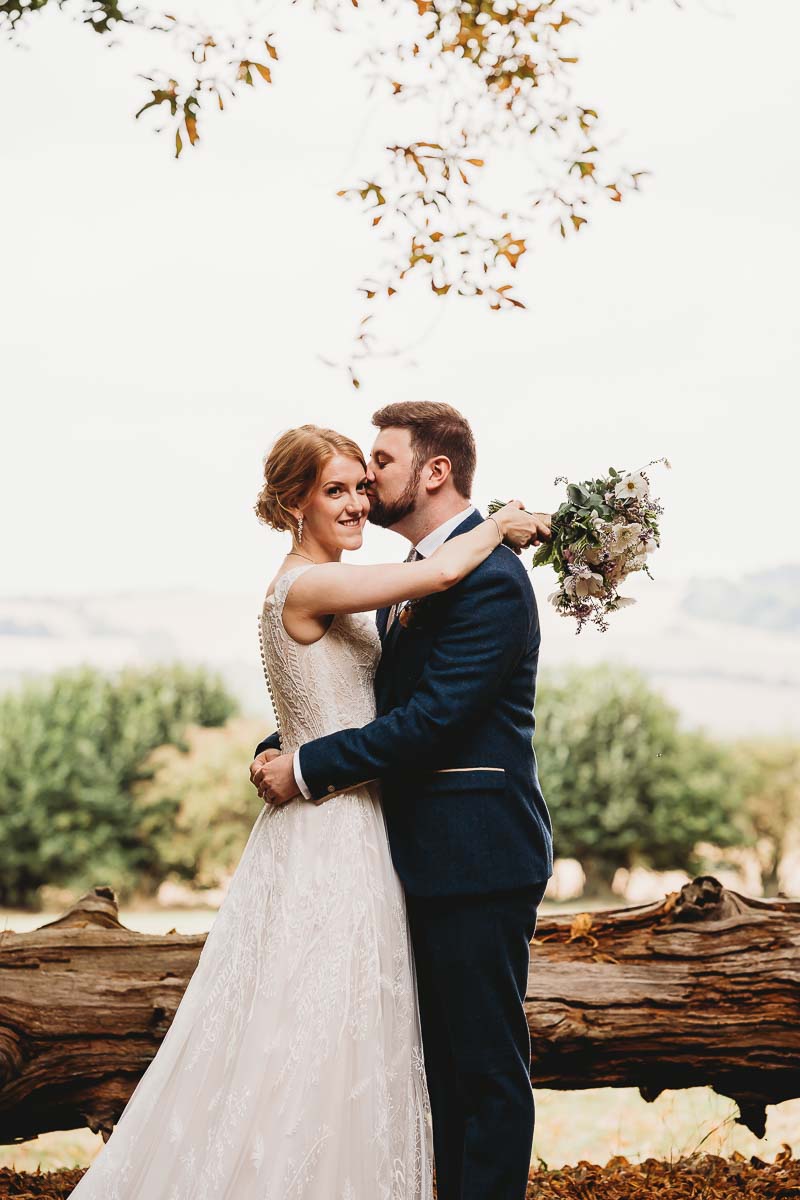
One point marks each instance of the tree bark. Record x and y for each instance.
(702, 988)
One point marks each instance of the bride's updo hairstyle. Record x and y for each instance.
(292, 470)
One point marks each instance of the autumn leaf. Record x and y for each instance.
(263, 71)
(580, 927)
(510, 248)
(167, 95)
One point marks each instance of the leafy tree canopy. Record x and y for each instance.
(72, 750)
(626, 785)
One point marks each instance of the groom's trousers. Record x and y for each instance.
(472, 956)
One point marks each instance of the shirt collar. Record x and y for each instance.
(441, 533)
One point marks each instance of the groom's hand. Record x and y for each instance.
(274, 779)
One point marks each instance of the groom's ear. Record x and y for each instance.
(437, 472)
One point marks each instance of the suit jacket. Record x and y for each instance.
(452, 741)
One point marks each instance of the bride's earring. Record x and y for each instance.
(300, 532)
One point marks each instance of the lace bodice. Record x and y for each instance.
(322, 687)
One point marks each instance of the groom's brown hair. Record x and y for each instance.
(435, 428)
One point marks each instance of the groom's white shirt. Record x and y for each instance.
(425, 548)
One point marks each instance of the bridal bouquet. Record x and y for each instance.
(603, 532)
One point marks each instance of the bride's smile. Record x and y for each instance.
(336, 511)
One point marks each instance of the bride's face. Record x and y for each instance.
(337, 509)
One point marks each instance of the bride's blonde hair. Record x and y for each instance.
(292, 469)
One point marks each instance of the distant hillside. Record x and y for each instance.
(762, 600)
(706, 646)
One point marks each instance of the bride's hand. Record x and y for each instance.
(520, 528)
(258, 762)
(274, 779)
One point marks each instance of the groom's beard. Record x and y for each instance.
(387, 515)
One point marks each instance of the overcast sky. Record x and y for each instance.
(163, 321)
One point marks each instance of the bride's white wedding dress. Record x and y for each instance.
(293, 1068)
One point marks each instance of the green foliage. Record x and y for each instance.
(770, 772)
(625, 784)
(214, 802)
(72, 750)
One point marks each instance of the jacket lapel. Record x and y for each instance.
(382, 616)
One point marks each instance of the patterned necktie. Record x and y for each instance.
(413, 556)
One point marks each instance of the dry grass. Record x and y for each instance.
(699, 1177)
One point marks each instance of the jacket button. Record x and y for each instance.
(331, 788)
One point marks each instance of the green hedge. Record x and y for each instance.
(72, 750)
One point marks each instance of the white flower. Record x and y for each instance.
(624, 535)
(634, 485)
(555, 598)
(593, 554)
(584, 583)
(624, 601)
(650, 545)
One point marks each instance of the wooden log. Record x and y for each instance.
(84, 1004)
(702, 988)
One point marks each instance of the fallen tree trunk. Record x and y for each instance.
(702, 988)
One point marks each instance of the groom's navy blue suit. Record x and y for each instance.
(471, 840)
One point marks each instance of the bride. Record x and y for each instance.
(293, 1068)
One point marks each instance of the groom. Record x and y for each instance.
(469, 830)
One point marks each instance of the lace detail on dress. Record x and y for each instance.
(292, 1069)
(323, 687)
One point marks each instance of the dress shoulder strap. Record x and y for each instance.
(277, 597)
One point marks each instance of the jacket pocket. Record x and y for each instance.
(465, 779)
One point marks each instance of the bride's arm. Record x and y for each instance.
(338, 588)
